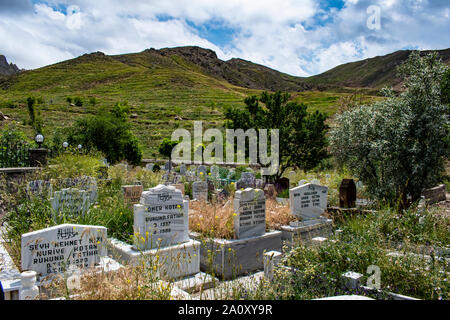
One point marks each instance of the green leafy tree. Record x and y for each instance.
(302, 134)
(445, 87)
(165, 148)
(110, 133)
(397, 146)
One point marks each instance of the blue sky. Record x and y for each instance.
(299, 37)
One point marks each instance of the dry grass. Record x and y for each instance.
(128, 283)
(215, 220)
(277, 214)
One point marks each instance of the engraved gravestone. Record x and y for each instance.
(308, 201)
(40, 187)
(200, 190)
(161, 218)
(250, 209)
(132, 193)
(54, 249)
(71, 202)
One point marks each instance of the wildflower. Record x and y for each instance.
(235, 214)
(178, 206)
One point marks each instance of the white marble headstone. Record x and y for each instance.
(161, 218)
(308, 201)
(250, 209)
(54, 249)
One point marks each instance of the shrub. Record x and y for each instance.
(397, 146)
(78, 101)
(110, 133)
(69, 165)
(13, 147)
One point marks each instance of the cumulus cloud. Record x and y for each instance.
(299, 37)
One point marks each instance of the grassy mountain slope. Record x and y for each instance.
(375, 72)
(163, 85)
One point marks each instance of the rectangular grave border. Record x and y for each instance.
(187, 253)
(292, 235)
(229, 259)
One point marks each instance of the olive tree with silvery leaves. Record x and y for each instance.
(397, 146)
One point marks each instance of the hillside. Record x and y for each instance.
(170, 88)
(374, 73)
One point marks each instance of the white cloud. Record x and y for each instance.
(293, 36)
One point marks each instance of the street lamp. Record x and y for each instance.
(79, 147)
(39, 139)
(65, 144)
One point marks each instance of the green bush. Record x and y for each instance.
(13, 147)
(78, 101)
(397, 146)
(110, 133)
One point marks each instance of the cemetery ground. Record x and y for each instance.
(410, 247)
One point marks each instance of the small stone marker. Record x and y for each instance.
(308, 201)
(149, 166)
(182, 169)
(269, 191)
(302, 182)
(161, 218)
(71, 201)
(201, 171)
(200, 190)
(179, 186)
(29, 289)
(54, 249)
(215, 173)
(250, 207)
(168, 166)
(40, 187)
(282, 184)
(347, 194)
(132, 193)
